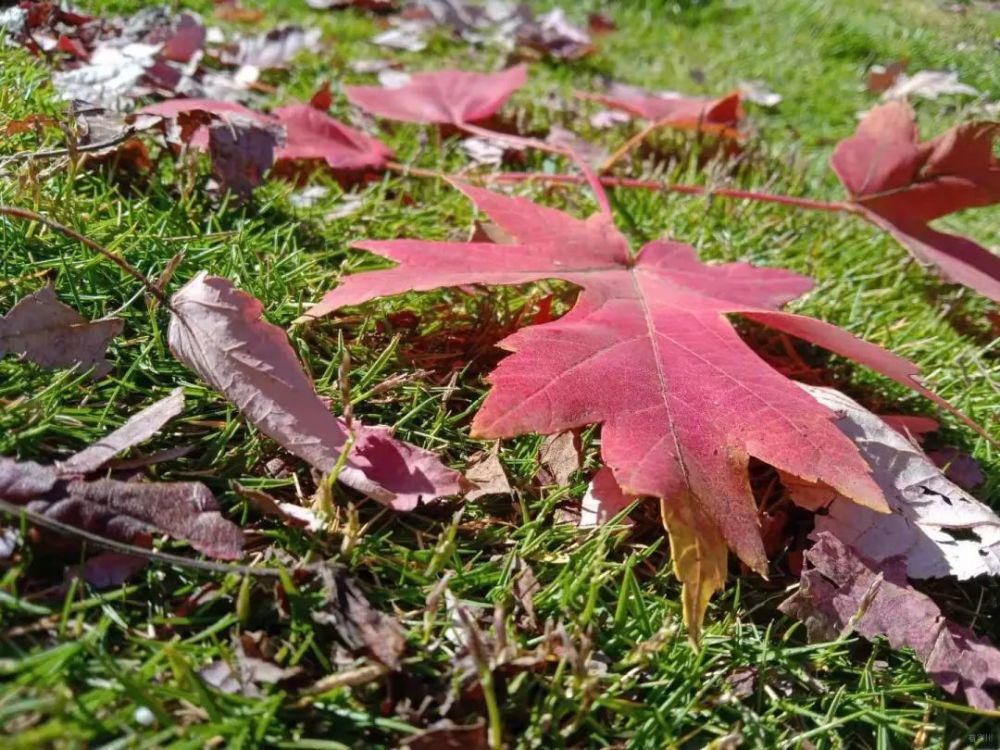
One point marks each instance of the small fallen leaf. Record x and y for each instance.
(359, 625)
(552, 34)
(881, 77)
(242, 150)
(929, 84)
(759, 92)
(313, 136)
(42, 329)
(721, 117)
(123, 510)
(559, 458)
(273, 49)
(138, 429)
(408, 36)
(487, 475)
(266, 505)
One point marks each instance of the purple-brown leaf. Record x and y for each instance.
(47, 332)
(843, 591)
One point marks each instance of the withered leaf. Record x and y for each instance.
(936, 527)
(487, 474)
(138, 429)
(47, 332)
(127, 510)
(242, 150)
(358, 624)
(842, 590)
(559, 458)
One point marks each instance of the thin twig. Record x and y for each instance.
(57, 152)
(628, 182)
(40, 519)
(135, 273)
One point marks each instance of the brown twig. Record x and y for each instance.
(28, 215)
(628, 182)
(57, 152)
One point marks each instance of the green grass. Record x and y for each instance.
(77, 663)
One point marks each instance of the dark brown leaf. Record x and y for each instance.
(359, 625)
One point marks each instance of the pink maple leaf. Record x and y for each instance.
(448, 97)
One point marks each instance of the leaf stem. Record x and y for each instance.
(628, 182)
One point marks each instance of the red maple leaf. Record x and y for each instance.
(720, 116)
(900, 185)
(310, 134)
(649, 352)
(447, 97)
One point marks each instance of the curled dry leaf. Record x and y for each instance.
(242, 150)
(127, 510)
(138, 429)
(42, 329)
(935, 527)
(900, 185)
(842, 591)
(650, 353)
(487, 475)
(218, 332)
(449, 97)
(559, 458)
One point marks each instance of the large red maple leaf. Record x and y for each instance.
(900, 185)
(649, 352)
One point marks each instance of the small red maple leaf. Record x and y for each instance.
(650, 353)
(720, 116)
(900, 185)
(447, 97)
(312, 135)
